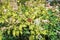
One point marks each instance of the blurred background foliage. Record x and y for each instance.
(28, 20)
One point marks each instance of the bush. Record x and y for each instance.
(28, 20)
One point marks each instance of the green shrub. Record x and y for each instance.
(28, 21)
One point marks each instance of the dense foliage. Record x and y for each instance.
(28, 20)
